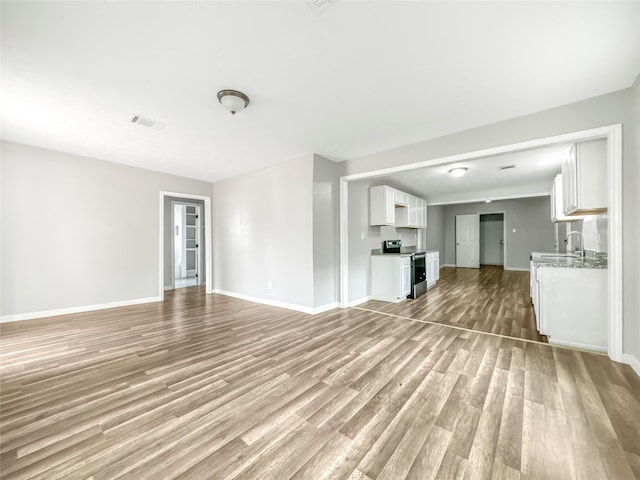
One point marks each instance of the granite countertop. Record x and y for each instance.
(558, 260)
(379, 253)
(404, 251)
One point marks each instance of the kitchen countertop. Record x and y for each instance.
(404, 252)
(556, 260)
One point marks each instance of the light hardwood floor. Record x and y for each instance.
(203, 387)
(488, 299)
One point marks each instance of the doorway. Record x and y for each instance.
(492, 239)
(166, 242)
(186, 244)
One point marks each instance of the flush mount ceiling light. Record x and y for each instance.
(458, 172)
(233, 100)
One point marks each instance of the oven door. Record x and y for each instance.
(418, 274)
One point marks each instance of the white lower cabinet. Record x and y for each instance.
(390, 277)
(432, 261)
(571, 306)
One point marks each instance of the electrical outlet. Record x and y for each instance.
(362, 236)
(269, 284)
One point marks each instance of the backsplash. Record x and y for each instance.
(409, 236)
(595, 230)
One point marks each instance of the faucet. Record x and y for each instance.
(581, 241)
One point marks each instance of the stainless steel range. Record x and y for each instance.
(418, 266)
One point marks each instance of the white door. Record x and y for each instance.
(468, 241)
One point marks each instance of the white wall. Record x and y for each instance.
(617, 107)
(530, 218)
(78, 231)
(263, 232)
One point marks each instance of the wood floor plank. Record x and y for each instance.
(206, 386)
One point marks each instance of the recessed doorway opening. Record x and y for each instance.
(187, 234)
(492, 239)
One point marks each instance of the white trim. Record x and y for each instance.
(265, 301)
(613, 134)
(344, 243)
(493, 199)
(516, 269)
(84, 308)
(632, 361)
(360, 301)
(614, 240)
(207, 240)
(578, 346)
(325, 308)
(448, 265)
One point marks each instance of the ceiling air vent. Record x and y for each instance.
(320, 5)
(146, 122)
(507, 167)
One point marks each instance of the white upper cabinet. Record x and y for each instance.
(401, 198)
(389, 206)
(557, 205)
(382, 205)
(584, 178)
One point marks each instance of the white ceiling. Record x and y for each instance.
(359, 78)
(533, 174)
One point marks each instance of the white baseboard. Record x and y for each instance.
(632, 361)
(168, 288)
(325, 308)
(85, 308)
(359, 301)
(514, 269)
(276, 303)
(579, 346)
(448, 265)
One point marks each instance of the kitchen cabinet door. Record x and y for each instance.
(406, 279)
(390, 277)
(382, 205)
(557, 202)
(571, 306)
(584, 178)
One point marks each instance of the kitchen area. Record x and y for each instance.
(568, 287)
(553, 285)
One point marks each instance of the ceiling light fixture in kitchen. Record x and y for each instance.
(233, 100)
(458, 172)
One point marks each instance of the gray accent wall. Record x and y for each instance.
(617, 107)
(529, 217)
(263, 233)
(435, 230)
(326, 237)
(79, 232)
(631, 239)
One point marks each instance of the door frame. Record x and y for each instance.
(208, 265)
(613, 134)
(504, 235)
(173, 249)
